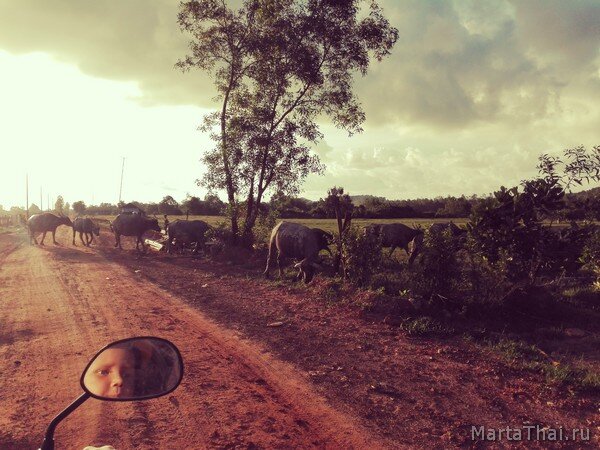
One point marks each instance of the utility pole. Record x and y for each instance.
(48, 203)
(27, 195)
(121, 186)
(41, 201)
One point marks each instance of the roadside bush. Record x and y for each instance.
(505, 230)
(361, 255)
(390, 283)
(264, 225)
(484, 285)
(220, 232)
(591, 256)
(438, 269)
(564, 250)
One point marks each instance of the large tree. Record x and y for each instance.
(278, 65)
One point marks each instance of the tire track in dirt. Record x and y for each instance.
(233, 394)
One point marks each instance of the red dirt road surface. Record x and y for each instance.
(61, 304)
(328, 377)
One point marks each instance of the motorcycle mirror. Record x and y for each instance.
(137, 368)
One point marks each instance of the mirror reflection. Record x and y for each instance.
(134, 369)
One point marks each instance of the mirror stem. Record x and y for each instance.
(48, 443)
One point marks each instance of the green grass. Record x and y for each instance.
(211, 220)
(424, 326)
(325, 224)
(525, 356)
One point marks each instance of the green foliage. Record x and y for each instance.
(211, 205)
(59, 205)
(388, 282)
(509, 227)
(455, 207)
(79, 207)
(591, 255)
(527, 356)
(265, 224)
(340, 205)
(277, 67)
(168, 205)
(437, 271)
(424, 326)
(221, 232)
(361, 255)
(513, 350)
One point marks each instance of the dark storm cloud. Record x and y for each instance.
(455, 63)
(463, 62)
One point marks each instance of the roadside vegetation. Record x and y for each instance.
(522, 282)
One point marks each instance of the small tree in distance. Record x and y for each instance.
(79, 207)
(59, 205)
(168, 205)
(34, 209)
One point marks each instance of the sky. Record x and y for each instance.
(473, 92)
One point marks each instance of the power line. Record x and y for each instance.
(121, 186)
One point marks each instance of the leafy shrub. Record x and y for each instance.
(389, 283)
(424, 326)
(220, 232)
(264, 225)
(361, 255)
(437, 271)
(591, 255)
(504, 229)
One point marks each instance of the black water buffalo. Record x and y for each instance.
(395, 235)
(187, 232)
(85, 226)
(126, 224)
(293, 240)
(324, 238)
(42, 223)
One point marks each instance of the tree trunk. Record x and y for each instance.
(233, 207)
(342, 227)
(252, 213)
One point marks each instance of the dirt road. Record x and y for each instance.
(349, 380)
(59, 304)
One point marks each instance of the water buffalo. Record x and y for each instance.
(395, 235)
(293, 240)
(42, 223)
(85, 226)
(126, 224)
(187, 232)
(324, 239)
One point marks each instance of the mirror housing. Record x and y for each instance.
(132, 369)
